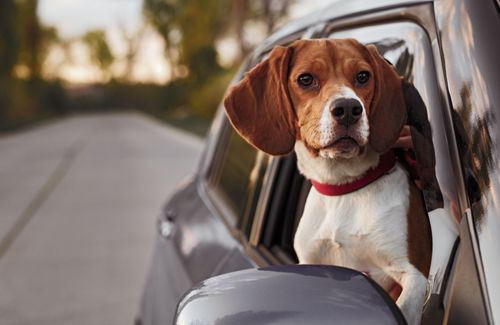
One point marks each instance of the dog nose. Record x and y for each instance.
(346, 111)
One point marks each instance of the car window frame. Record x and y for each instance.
(217, 142)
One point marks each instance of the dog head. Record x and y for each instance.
(338, 97)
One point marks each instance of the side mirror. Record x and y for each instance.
(288, 294)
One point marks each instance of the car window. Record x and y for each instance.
(236, 178)
(408, 48)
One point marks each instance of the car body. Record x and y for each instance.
(240, 210)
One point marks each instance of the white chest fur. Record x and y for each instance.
(365, 230)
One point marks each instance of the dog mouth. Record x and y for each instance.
(345, 140)
(341, 143)
(343, 147)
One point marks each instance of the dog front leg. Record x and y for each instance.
(414, 288)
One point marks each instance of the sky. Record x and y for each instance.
(73, 18)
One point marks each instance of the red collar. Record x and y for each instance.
(387, 161)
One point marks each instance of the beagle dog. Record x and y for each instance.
(340, 105)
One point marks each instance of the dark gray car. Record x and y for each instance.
(241, 209)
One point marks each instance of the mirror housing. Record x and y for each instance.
(288, 294)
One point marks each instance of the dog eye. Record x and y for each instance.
(305, 80)
(363, 77)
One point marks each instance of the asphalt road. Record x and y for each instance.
(78, 202)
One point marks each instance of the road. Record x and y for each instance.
(78, 202)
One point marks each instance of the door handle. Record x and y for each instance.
(166, 224)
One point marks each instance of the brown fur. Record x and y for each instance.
(388, 116)
(259, 106)
(270, 110)
(419, 232)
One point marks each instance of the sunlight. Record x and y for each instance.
(74, 18)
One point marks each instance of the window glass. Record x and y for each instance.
(237, 175)
(237, 178)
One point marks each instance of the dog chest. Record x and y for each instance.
(359, 229)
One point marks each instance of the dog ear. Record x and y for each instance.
(388, 112)
(259, 106)
(421, 134)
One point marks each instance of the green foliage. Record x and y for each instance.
(9, 51)
(208, 96)
(161, 15)
(200, 23)
(100, 53)
(31, 38)
(9, 44)
(50, 37)
(163, 102)
(30, 102)
(25, 43)
(191, 28)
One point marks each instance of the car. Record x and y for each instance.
(224, 249)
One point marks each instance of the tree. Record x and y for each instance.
(9, 45)
(161, 15)
(9, 51)
(191, 30)
(31, 35)
(133, 43)
(266, 13)
(273, 11)
(35, 39)
(100, 52)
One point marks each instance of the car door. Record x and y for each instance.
(201, 230)
(470, 55)
(204, 228)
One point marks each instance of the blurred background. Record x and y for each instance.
(103, 105)
(72, 56)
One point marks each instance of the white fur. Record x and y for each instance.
(326, 125)
(363, 128)
(365, 230)
(326, 122)
(333, 171)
